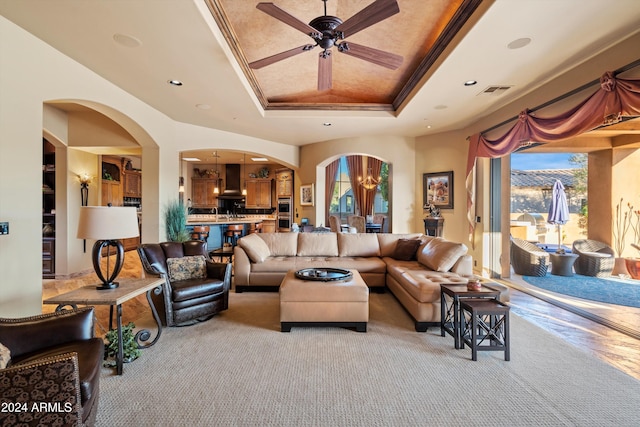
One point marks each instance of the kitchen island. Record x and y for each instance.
(218, 225)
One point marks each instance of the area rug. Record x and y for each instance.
(238, 369)
(609, 290)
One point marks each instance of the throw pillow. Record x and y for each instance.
(255, 247)
(5, 356)
(187, 267)
(406, 249)
(440, 254)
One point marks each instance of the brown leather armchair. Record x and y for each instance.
(188, 301)
(55, 359)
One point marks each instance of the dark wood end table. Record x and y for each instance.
(450, 295)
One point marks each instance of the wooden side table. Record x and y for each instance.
(450, 307)
(128, 289)
(433, 226)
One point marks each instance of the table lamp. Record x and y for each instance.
(105, 224)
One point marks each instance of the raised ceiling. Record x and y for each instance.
(418, 33)
(140, 45)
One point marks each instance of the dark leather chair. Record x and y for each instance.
(54, 358)
(185, 302)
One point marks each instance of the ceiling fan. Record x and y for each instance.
(329, 31)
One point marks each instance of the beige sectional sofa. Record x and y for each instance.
(412, 266)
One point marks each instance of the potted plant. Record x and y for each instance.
(130, 350)
(176, 222)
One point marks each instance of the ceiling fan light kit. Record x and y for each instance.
(327, 31)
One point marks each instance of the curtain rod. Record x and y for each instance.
(566, 95)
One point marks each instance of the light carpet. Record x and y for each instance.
(238, 369)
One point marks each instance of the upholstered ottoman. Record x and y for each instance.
(343, 303)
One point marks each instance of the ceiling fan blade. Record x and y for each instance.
(376, 56)
(374, 13)
(324, 71)
(284, 16)
(279, 56)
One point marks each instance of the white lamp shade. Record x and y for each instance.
(107, 223)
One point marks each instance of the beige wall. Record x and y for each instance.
(34, 74)
(393, 150)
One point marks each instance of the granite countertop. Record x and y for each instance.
(224, 219)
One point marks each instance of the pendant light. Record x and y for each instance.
(216, 189)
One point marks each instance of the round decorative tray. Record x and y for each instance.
(323, 274)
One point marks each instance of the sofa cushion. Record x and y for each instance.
(387, 241)
(317, 244)
(188, 267)
(360, 245)
(440, 254)
(281, 244)
(406, 249)
(255, 247)
(5, 356)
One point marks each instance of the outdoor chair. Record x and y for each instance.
(594, 258)
(528, 259)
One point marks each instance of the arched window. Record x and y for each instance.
(358, 185)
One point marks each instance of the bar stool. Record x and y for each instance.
(485, 326)
(255, 228)
(232, 233)
(200, 232)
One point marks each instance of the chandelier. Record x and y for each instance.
(369, 183)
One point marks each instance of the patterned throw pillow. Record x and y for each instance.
(188, 267)
(5, 356)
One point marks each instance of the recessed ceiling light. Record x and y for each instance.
(203, 106)
(326, 124)
(518, 43)
(191, 159)
(175, 82)
(440, 107)
(126, 40)
(259, 159)
(470, 82)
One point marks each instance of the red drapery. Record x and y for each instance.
(615, 98)
(330, 182)
(375, 165)
(354, 163)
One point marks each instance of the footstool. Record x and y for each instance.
(485, 326)
(343, 303)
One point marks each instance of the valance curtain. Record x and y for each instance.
(615, 98)
(330, 182)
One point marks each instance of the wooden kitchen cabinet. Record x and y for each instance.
(268, 225)
(284, 182)
(202, 195)
(132, 184)
(258, 194)
(111, 193)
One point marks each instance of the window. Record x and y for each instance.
(343, 202)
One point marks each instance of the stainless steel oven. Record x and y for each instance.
(284, 205)
(284, 213)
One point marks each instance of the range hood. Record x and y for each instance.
(232, 188)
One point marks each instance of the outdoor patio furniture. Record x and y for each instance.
(527, 259)
(594, 258)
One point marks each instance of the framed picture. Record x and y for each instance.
(306, 195)
(438, 189)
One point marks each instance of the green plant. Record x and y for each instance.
(175, 217)
(130, 350)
